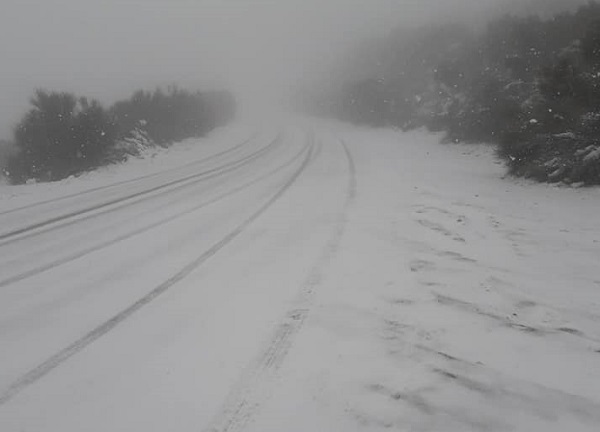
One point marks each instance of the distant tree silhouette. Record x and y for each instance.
(528, 84)
(63, 135)
(173, 114)
(59, 136)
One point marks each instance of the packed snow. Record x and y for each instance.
(325, 278)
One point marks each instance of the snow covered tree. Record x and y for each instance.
(59, 136)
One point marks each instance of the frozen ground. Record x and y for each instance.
(309, 278)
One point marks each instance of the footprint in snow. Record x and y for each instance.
(436, 227)
(421, 265)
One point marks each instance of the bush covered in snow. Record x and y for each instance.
(529, 85)
(134, 144)
(174, 114)
(63, 135)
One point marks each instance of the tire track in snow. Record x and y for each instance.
(133, 180)
(252, 390)
(128, 200)
(81, 253)
(63, 355)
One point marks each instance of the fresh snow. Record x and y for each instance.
(153, 160)
(322, 278)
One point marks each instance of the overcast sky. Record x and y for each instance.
(108, 48)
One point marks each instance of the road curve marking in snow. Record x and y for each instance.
(60, 357)
(252, 390)
(34, 229)
(81, 253)
(133, 180)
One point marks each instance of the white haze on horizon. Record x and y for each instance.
(261, 49)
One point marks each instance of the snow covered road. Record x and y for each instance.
(310, 278)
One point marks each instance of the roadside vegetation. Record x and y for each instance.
(531, 86)
(64, 135)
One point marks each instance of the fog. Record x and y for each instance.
(263, 50)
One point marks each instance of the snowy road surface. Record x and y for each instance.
(307, 278)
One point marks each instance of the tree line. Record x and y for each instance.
(63, 134)
(529, 85)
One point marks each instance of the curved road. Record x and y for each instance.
(168, 301)
(315, 278)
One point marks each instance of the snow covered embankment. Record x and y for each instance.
(144, 159)
(450, 299)
(459, 301)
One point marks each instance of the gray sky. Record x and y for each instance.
(108, 48)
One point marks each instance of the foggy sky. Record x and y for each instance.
(108, 48)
